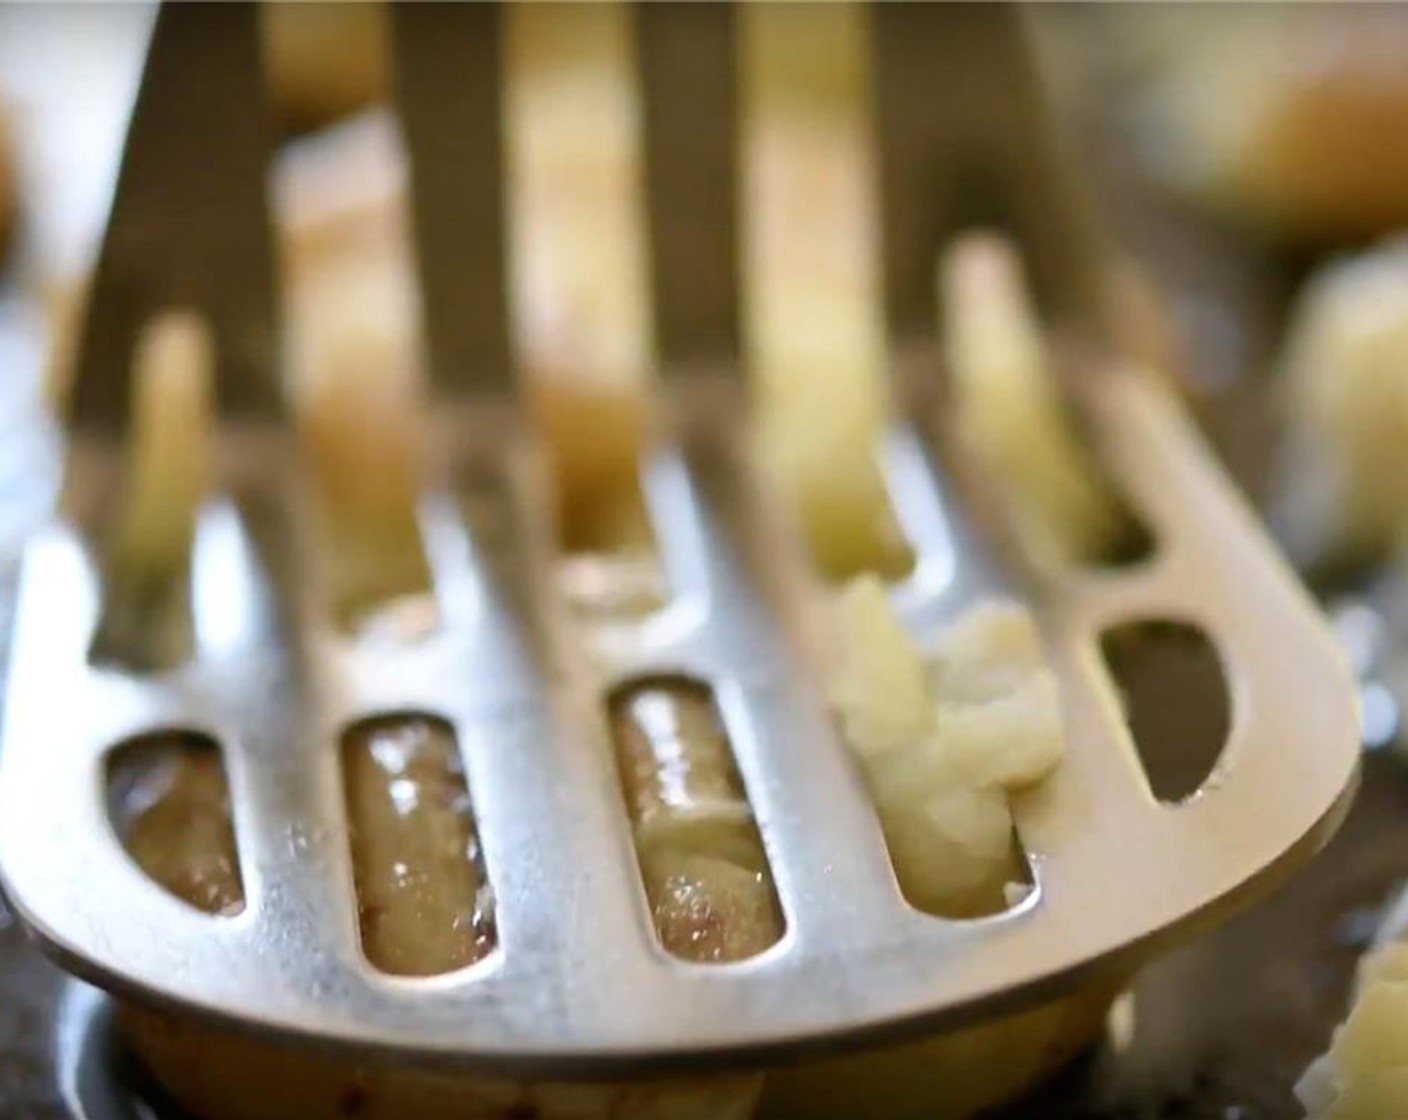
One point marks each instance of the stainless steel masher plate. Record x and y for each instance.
(578, 984)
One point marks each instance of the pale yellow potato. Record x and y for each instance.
(356, 400)
(1009, 410)
(325, 59)
(180, 831)
(596, 434)
(580, 308)
(65, 303)
(1387, 964)
(353, 373)
(1364, 1074)
(1346, 401)
(167, 471)
(943, 740)
(148, 535)
(1276, 116)
(816, 345)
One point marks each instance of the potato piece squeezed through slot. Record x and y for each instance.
(815, 334)
(701, 858)
(422, 899)
(146, 621)
(1009, 407)
(580, 306)
(943, 740)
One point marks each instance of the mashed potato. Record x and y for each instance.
(1009, 410)
(942, 740)
(1364, 1076)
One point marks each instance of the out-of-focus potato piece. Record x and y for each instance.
(1277, 116)
(1344, 493)
(577, 237)
(357, 403)
(353, 374)
(65, 303)
(580, 305)
(147, 544)
(815, 333)
(325, 59)
(1009, 409)
(168, 466)
(1387, 964)
(596, 431)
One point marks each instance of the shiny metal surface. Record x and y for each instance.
(1118, 873)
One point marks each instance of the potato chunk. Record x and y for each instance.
(1009, 407)
(581, 309)
(943, 742)
(325, 60)
(355, 388)
(1344, 493)
(815, 333)
(145, 620)
(180, 831)
(1364, 1076)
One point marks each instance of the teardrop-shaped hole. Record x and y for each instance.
(169, 801)
(1176, 701)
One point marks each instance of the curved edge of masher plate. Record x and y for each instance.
(1290, 764)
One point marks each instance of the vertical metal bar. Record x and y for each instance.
(447, 87)
(189, 224)
(686, 65)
